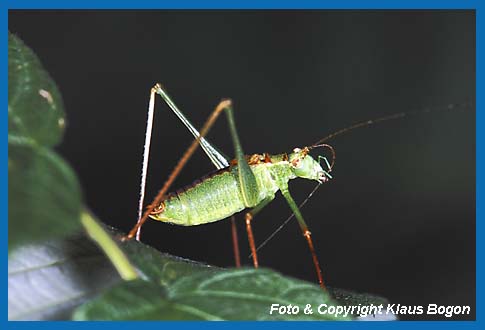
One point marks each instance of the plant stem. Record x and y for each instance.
(119, 260)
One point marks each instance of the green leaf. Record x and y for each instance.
(175, 289)
(235, 294)
(35, 107)
(47, 280)
(44, 196)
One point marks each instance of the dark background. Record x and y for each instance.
(398, 220)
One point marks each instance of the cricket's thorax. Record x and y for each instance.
(218, 195)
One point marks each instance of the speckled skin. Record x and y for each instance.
(219, 196)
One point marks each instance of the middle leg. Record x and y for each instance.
(249, 217)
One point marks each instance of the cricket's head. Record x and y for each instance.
(304, 166)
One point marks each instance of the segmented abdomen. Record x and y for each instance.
(211, 199)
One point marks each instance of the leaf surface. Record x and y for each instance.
(44, 196)
(176, 289)
(35, 107)
(51, 280)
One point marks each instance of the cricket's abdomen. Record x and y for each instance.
(213, 198)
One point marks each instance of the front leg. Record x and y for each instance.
(305, 231)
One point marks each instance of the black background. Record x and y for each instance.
(397, 220)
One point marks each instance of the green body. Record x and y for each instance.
(251, 182)
(219, 195)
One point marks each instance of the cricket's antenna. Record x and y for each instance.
(287, 220)
(320, 143)
(449, 107)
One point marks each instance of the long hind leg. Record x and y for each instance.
(247, 182)
(223, 105)
(235, 242)
(217, 158)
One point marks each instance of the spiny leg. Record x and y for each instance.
(215, 155)
(249, 217)
(217, 158)
(146, 154)
(235, 242)
(247, 181)
(249, 188)
(306, 233)
(223, 105)
(252, 245)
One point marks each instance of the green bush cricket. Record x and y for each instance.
(247, 182)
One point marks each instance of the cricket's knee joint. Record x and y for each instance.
(156, 87)
(307, 233)
(248, 218)
(225, 103)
